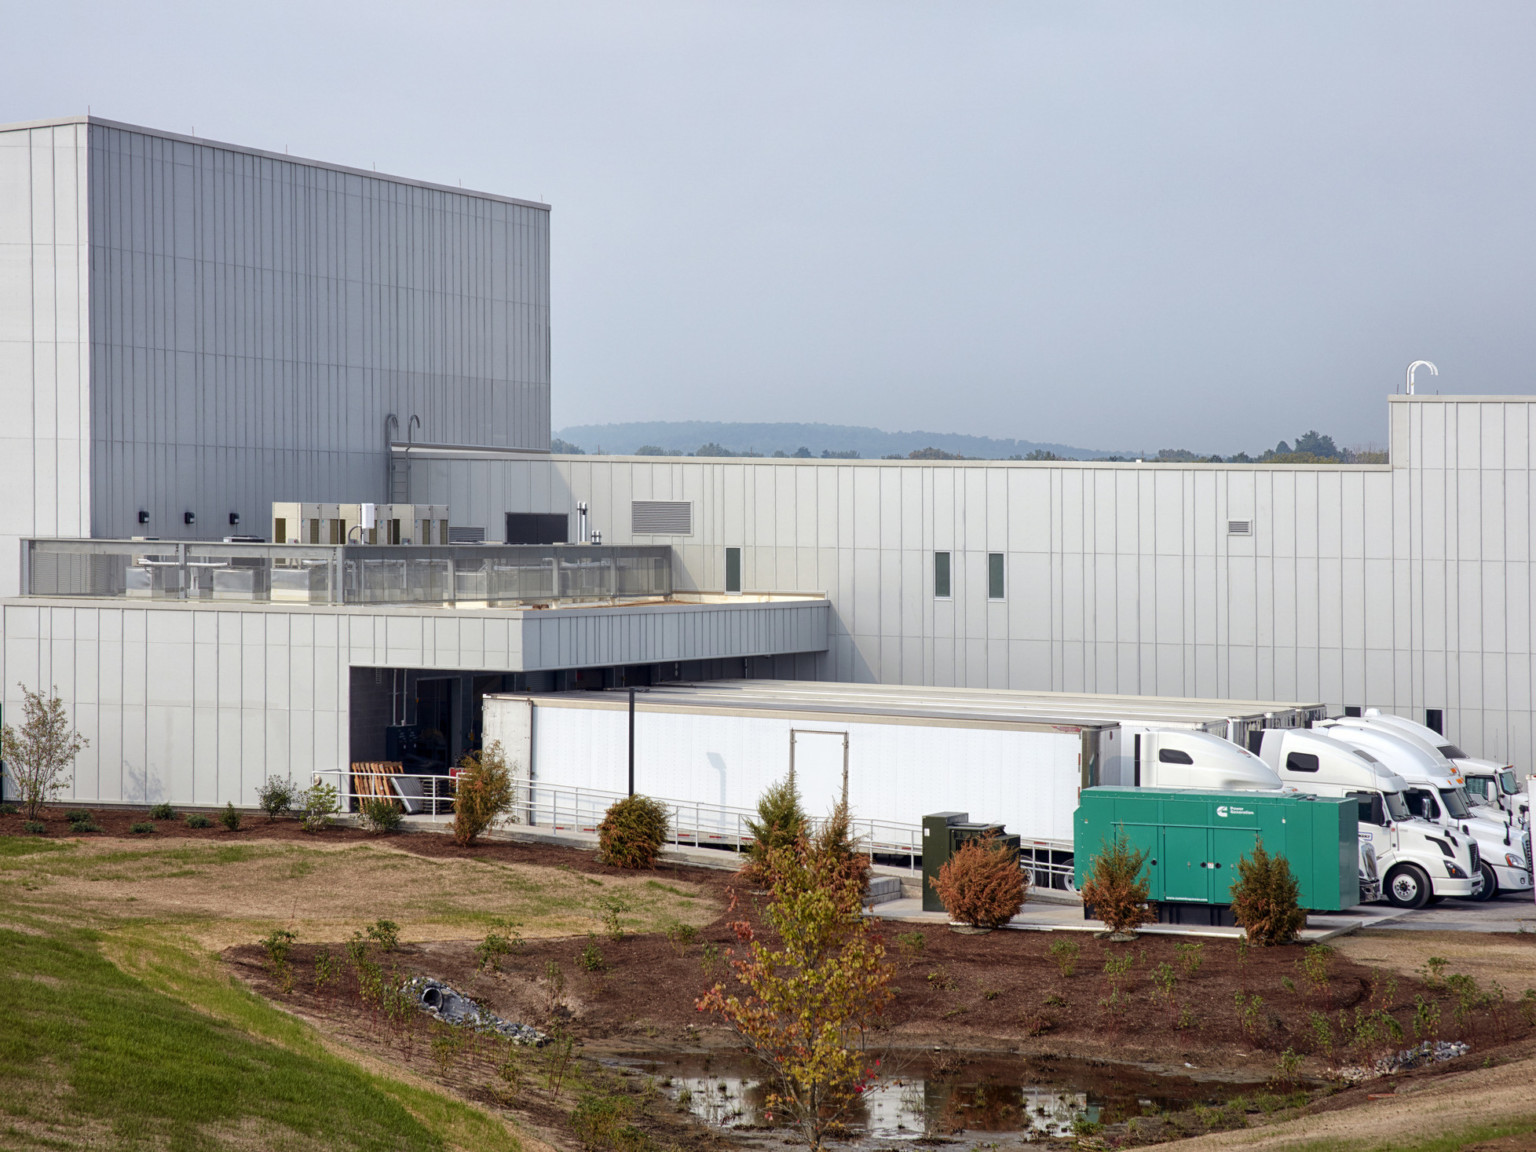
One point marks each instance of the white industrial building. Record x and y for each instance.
(192, 331)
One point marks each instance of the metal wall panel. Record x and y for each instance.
(254, 318)
(45, 433)
(197, 704)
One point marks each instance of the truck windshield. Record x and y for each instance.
(1371, 811)
(1421, 802)
(1455, 802)
(1397, 807)
(1451, 752)
(1507, 781)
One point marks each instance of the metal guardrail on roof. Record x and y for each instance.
(481, 575)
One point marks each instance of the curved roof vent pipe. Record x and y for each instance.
(1433, 371)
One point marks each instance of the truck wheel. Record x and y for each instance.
(1408, 886)
(1490, 887)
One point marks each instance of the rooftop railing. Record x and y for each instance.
(477, 575)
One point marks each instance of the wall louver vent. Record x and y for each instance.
(1239, 527)
(661, 518)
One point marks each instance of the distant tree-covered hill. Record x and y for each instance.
(686, 437)
(848, 441)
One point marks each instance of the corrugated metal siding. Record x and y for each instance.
(197, 704)
(44, 354)
(254, 320)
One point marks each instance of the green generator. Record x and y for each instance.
(1193, 841)
(943, 833)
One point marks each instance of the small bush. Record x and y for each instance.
(681, 937)
(230, 817)
(1191, 955)
(318, 806)
(276, 796)
(381, 815)
(86, 826)
(78, 816)
(1064, 952)
(632, 833)
(162, 812)
(982, 884)
(278, 945)
(610, 910)
(837, 843)
(591, 957)
(1265, 899)
(483, 793)
(1115, 888)
(142, 828)
(911, 943)
(36, 827)
(8, 810)
(503, 940)
(780, 823)
(198, 820)
(384, 933)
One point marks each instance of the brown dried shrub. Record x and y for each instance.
(1114, 888)
(982, 884)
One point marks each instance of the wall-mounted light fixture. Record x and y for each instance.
(143, 516)
(234, 519)
(189, 517)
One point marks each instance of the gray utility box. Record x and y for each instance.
(943, 833)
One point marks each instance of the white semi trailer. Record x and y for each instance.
(712, 749)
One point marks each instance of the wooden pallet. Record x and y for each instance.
(368, 778)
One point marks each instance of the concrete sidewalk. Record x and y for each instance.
(1055, 917)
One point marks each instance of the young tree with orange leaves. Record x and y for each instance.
(813, 995)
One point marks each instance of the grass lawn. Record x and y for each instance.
(118, 1027)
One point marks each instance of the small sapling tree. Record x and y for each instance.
(780, 823)
(813, 994)
(982, 884)
(1115, 888)
(1265, 899)
(484, 792)
(38, 754)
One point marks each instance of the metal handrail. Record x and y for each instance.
(573, 811)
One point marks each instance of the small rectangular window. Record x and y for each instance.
(995, 583)
(733, 569)
(941, 575)
(1301, 762)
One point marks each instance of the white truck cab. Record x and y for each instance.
(1488, 782)
(1180, 758)
(1418, 861)
(1434, 794)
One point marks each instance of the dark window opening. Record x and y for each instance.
(1301, 762)
(941, 575)
(995, 584)
(1174, 756)
(1434, 718)
(733, 569)
(529, 528)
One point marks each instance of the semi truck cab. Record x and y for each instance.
(1488, 782)
(1435, 795)
(1418, 862)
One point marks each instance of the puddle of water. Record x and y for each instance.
(1030, 1097)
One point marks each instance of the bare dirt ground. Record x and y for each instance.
(1228, 1015)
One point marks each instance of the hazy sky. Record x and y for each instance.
(1130, 225)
